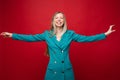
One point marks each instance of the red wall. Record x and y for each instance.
(91, 61)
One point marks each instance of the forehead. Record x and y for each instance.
(59, 15)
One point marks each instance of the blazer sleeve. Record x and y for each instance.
(29, 38)
(83, 38)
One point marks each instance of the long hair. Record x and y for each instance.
(53, 30)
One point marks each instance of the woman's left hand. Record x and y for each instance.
(109, 30)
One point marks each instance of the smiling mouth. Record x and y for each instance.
(59, 23)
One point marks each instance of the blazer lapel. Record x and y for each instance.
(63, 41)
(53, 39)
(59, 44)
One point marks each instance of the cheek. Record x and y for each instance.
(55, 21)
(62, 20)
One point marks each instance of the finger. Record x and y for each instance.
(111, 26)
(113, 30)
(2, 33)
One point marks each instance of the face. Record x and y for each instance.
(59, 20)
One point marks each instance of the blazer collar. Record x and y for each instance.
(59, 44)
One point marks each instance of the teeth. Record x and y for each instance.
(59, 22)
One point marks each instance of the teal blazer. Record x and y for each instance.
(59, 67)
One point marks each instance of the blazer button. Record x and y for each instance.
(62, 51)
(62, 61)
(62, 71)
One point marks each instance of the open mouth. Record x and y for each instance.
(59, 23)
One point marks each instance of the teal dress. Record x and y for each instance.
(59, 66)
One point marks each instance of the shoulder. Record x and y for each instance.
(70, 31)
(42, 33)
(46, 32)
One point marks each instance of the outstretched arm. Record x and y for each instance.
(97, 37)
(28, 38)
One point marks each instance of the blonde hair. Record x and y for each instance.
(53, 30)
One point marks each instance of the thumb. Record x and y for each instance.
(113, 30)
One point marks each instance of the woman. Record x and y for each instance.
(58, 39)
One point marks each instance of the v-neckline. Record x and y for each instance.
(60, 38)
(57, 39)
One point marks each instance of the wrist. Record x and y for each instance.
(10, 35)
(106, 33)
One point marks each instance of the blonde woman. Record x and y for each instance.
(58, 40)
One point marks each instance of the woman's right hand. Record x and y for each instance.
(6, 34)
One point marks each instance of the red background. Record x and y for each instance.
(91, 61)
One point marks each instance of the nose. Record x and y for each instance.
(59, 19)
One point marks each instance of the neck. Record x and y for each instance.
(59, 30)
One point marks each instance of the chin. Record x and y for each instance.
(59, 25)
